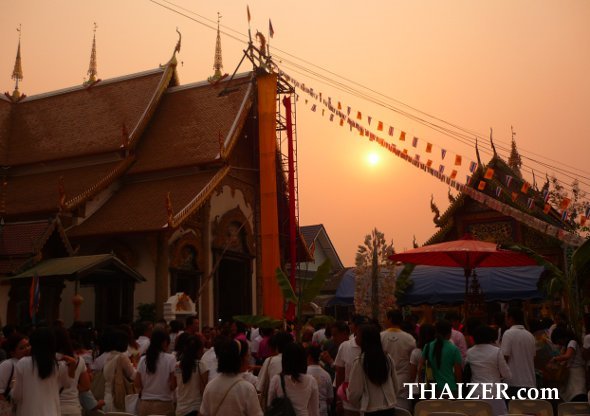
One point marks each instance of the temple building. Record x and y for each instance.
(128, 190)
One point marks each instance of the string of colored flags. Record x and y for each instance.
(490, 178)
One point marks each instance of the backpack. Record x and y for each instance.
(121, 386)
(281, 406)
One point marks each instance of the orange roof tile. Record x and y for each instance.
(141, 206)
(79, 120)
(186, 126)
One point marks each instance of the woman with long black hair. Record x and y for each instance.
(373, 384)
(191, 377)
(443, 358)
(39, 378)
(155, 380)
(299, 387)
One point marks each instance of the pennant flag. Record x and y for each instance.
(508, 180)
(583, 219)
(271, 31)
(565, 202)
(323, 111)
(482, 185)
(514, 196)
(331, 117)
(428, 147)
(313, 108)
(458, 160)
(415, 141)
(472, 167)
(546, 195)
(402, 136)
(369, 119)
(530, 203)
(349, 110)
(441, 168)
(443, 153)
(489, 173)
(405, 151)
(367, 133)
(359, 116)
(453, 174)
(467, 179)
(564, 215)
(417, 157)
(498, 191)
(339, 105)
(547, 208)
(342, 122)
(429, 163)
(34, 297)
(248, 11)
(380, 126)
(525, 187)
(391, 130)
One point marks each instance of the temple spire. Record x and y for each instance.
(17, 72)
(514, 161)
(217, 63)
(92, 68)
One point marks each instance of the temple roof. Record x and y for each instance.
(79, 121)
(39, 192)
(192, 137)
(126, 212)
(446, 221)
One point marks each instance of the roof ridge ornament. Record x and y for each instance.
(17, 72)
(218, 59)
(492, 142)
(92, 67)
(178, 44)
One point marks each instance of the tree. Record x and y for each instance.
(575, 203)
(308, 289)
(374, 271)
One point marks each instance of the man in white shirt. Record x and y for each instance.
(519, 349)
(399, 345)
(144, 331)
(347, 352)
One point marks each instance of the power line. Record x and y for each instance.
(462, 135)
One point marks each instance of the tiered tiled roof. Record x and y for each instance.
(501, 169)
(21, 242)
(79, 121)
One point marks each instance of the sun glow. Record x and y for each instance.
(373, 159)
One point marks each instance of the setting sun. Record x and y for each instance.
(373, 159)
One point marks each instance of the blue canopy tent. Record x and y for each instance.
(446, 285)
(345, 293)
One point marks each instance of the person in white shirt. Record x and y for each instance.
(488, 365)
(273, 364)
(38, 378)
(117, 358)
(155, 379)
(373, 383)
(347, 353)
(144, 332)
(322, 377)
(399, 345)
(191, 378)
(229, 393)
(519, 349)
(293, 382)
(17, 346)
(574, 388)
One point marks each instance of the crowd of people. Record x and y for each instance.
(354, 368)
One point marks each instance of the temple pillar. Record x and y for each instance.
(162, 273)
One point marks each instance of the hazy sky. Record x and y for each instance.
(477, 64)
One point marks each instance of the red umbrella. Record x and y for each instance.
(466, 253)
